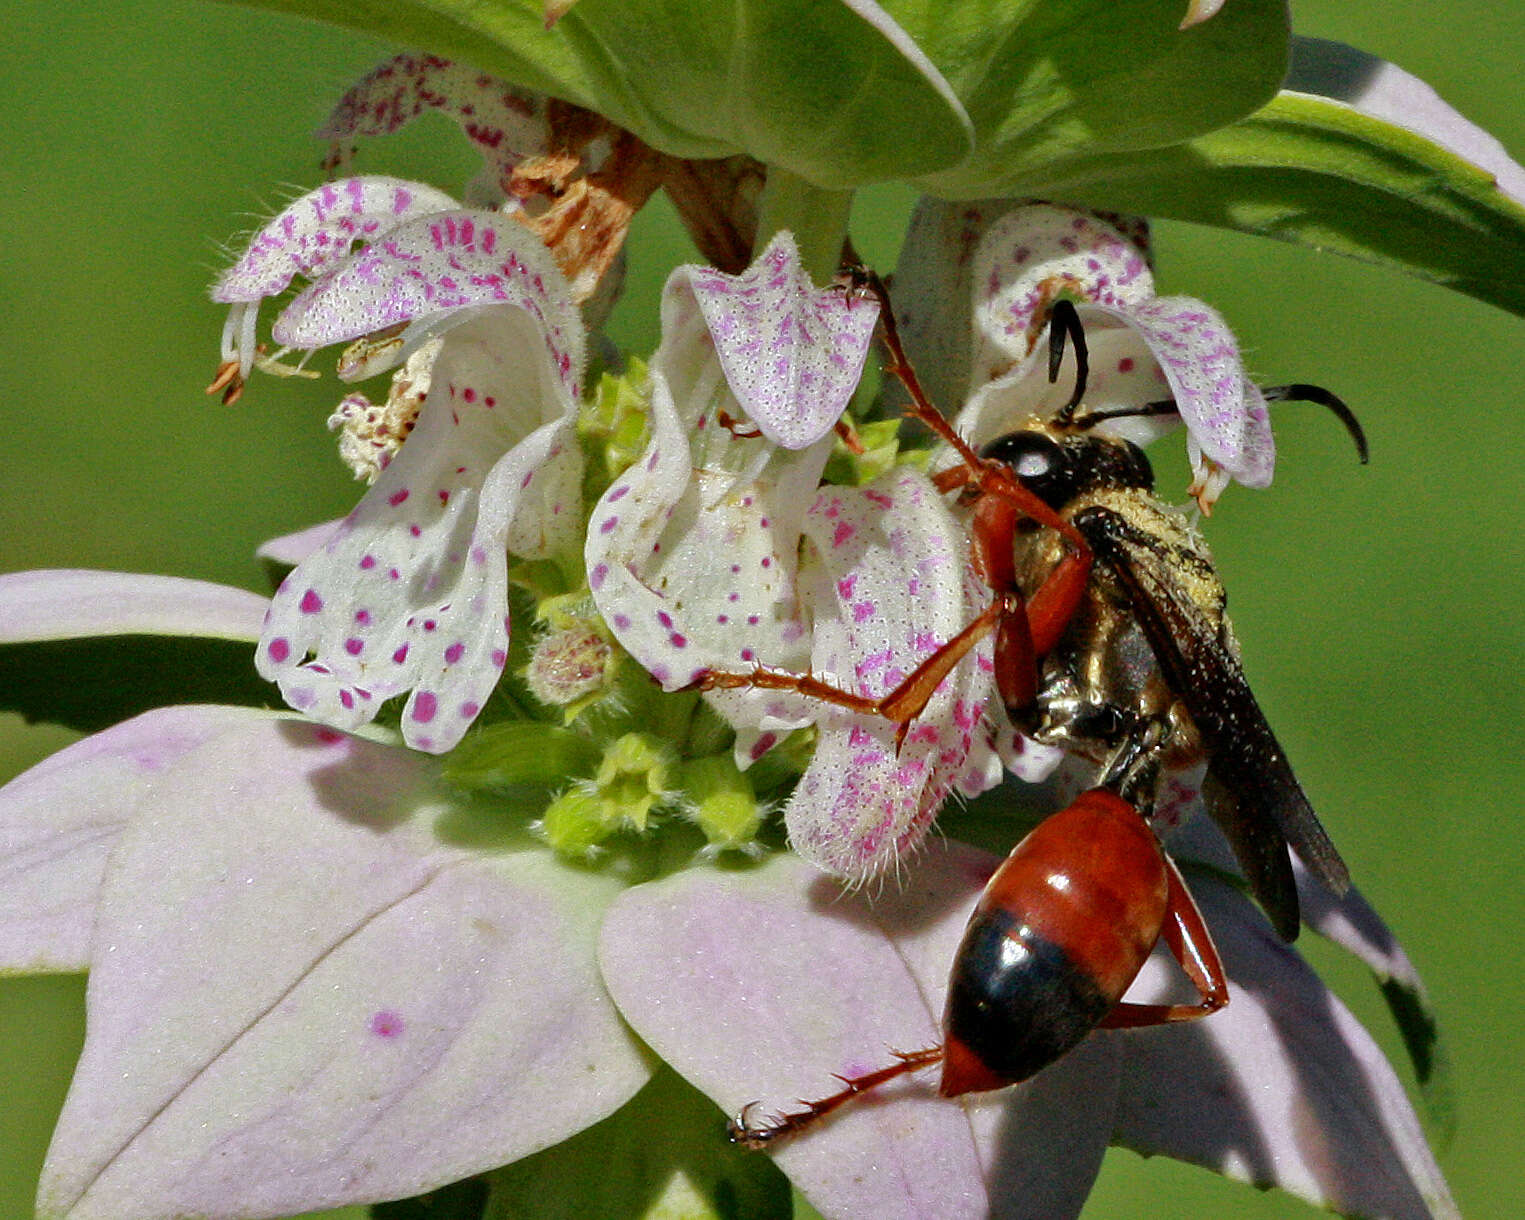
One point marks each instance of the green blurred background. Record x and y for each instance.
(1379, 609)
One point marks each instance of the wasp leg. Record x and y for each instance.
(1186, 936)
(756, 1135)
(902, 705)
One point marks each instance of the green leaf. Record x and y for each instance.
(465, 1200)
(1436, 197)
(88, 684)
(1082, 78)
(664, 1156)
(520, 752)
(821, 89)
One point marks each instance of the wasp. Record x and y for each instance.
(1111, 641)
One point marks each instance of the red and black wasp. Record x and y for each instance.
(1110, 641)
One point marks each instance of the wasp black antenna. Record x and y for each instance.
(1301, 392)
(1064, 319)
(1297, 391)
(1166, 406)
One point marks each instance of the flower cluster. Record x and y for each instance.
(508, 868)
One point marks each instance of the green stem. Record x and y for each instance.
(817, 218)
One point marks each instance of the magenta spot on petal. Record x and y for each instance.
(354, 646)
(329, 737)
(347, 699)
(415, 531)
(499, 657)
(621, 622)
(677, 640)
(763, 744)
(608, 524)
(597, 576)
(311, 602)
(469, 709)
(430, 624)
(665, 619)
(387, 1024)
(397, 497)
(748, 655)
(425, 705)
(367, 562)
(363, 617)
(454, 653)
(1125, 365)
(400, 655)
(393, 574)
(279, 649)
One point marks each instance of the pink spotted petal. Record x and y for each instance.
(792, 352)
(507, 124)
(692, 552)
(431, 274)
(1225, 415)
(60, 820)
(308, 235)
(321, 226)
(63, 603)
(886, 584)
(1031, 255)
(410, 593)
(1281, 1088)
(824, 982)
(299, 998)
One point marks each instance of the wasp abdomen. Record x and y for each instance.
(1016, 1003)
(1061, 930)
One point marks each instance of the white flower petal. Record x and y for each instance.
(1225, 415)
(823, 983)
(298, 998)
(433, 273)
(1281, 1088)
(60, 819)
(507, 124)
(793, 353)
(887, 584)
(321, 226)
(410, 594)
(691, 553)
(1031, 255)
(62, 603)
(291, 549)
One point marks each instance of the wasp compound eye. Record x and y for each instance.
(1037, 460)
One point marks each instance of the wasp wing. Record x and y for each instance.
(1258, 802)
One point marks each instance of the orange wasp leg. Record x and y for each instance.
(1186, 936)
(901, 706)
(760, 1135)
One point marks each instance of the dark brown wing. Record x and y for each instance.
(1260, 805)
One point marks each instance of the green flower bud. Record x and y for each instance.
(720, 801)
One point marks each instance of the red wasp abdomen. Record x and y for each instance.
(1059, 933)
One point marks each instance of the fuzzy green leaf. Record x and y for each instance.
(822, 89)
(1359, 158)
(1078, 78)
